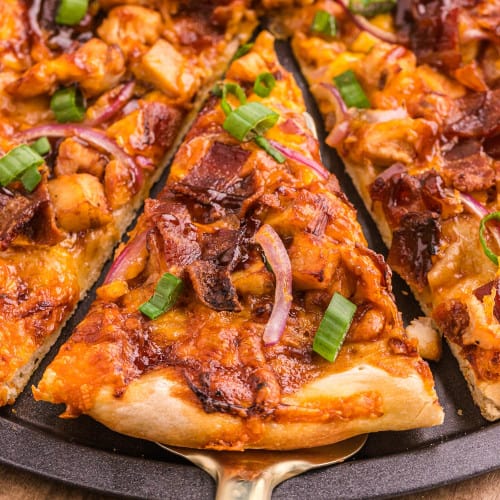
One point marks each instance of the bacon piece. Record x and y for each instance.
(401, 193)
(492, 147)
(31, 214)
(481, 292)
(173, 222)
(217, 177)
(475, 115)
(223, 246)
(213, 286)
(434, 32)
(413, 245)
(467, 168)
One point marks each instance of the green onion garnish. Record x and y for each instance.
(250, 117)
(166, 293)
(324, 24)
(264, 84)
(242, 50)
(71, 12)
(16, 162)
(482, 239)
(350, 90)
(371, 8)
(269, 149)
(41, 146)
(236, 90)
(334, 327)
(68, 105)
(31, 178)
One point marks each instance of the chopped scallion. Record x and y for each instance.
(166, 293)
(264, 84)
(350, 90)
(324, 24)
(68, 105)
(247, 118)
(334, 327)
(269, 149)
(41, 146)
(71, 12)
(16, 162)
(242, 50)
(371, 8)
(236, 90)
(31, 178)
(482, 239)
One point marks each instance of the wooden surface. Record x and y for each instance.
(15, 485)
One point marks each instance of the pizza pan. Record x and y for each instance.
(82, 452)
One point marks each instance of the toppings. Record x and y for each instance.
(116, 105)
(71, 12)
(242, 50)
(264, 84)
(334, 327)
(324, 24)
(350, 90)
(277, 257)
(413, 245)
(21, 163)
(248, 119)
(166, 293)
(68, 105)
(475, 115)
(371, 8)
(95, 137)
(482, 225)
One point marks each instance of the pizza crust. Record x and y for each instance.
(153, 408)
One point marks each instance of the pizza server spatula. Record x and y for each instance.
(252, 474)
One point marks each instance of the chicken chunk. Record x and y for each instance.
(131, 27)
(95, 66)
(14, 36)
(79, 202)
(73, 157)
(166, 68)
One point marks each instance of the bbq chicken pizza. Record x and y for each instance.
(94, 97)
(410, 95)
(245, 310)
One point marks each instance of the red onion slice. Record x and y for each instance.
(331, 94)
(95, 137)
(365, 25)
(300, 158)
(277, 256)
(116, 105)
(475, 208)
(131, 252)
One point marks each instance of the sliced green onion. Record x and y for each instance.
(371, 8)
(251, 117)
(350, 90)
(166, 293)
(68, 105)
(269, 149)
(242, 50)
(324, 23)
(71, 12)
(236, 90)
(264, 84)
(334, 327)
(31, 178)
(41, 146)
(16, 162)
(482, 226)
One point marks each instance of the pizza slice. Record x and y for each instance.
(410, 98)
(220, 323)
(93, 103)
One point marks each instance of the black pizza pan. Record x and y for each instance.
(84, 453)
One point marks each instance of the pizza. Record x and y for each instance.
(89, 117)
(410, 95)
(212, 327)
